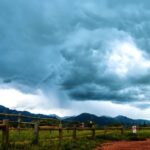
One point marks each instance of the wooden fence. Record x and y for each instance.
(5, 132)
(4, 126)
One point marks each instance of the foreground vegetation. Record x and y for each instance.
(49, 139)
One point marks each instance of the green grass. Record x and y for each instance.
(80, 144)
(49, 139)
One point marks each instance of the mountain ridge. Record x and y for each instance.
(83, 117)
(106, 120)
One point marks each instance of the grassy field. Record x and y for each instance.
(49, 139)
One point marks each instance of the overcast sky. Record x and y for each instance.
(66, 57)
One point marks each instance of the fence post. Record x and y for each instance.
(19, 122)
(93, 131)
(74, 132)
(105, 130)
(122, 130)
(36, 133)
(5, 134)
(60, 133)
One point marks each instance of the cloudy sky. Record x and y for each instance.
(66, 57)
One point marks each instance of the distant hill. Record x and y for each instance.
(104, 120)
(25, 113)
(84, 117)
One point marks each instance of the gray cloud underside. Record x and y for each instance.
(66, 45)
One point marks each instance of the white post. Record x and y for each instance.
(134, 129)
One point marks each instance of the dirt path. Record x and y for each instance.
(126, 145)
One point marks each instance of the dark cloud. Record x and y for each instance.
(87, 50)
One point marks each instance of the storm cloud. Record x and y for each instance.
(80, 50)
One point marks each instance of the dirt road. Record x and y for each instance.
(126, 145)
